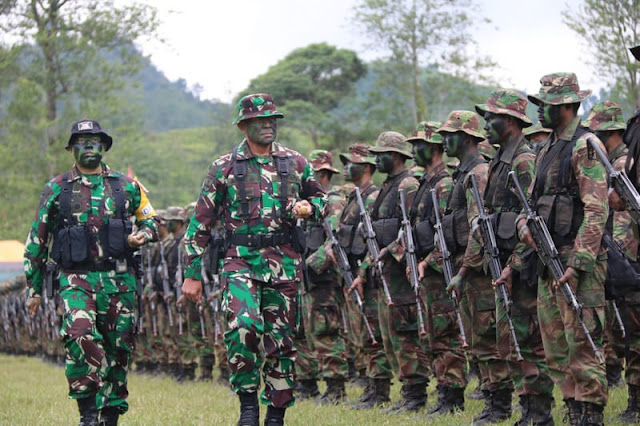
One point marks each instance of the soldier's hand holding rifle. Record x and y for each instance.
(358, 283)
(506, 277)
(192, 289)
(33, 303)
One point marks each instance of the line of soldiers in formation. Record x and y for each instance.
(471, 278)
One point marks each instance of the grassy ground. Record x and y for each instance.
(32, 392)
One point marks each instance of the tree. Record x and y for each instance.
(308, 83)
(608, 28)
(422, 32)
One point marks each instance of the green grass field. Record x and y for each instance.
(32, 392)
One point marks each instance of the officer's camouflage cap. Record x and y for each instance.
(463, 121)
(558, 89)
(635, 51)
(358, 154)
(426, 131)
(605, 116)
(536, 128)
(256, 105)
(487, 150)
(321, 159)
(175, 213)
(507, 102)
(89, 127)
(392, 142)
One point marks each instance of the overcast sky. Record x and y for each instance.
(223, 44)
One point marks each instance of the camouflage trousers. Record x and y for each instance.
(307, 366)
(629, 306)
(144, 338)
(479, 315)
(187, 347)
(98, 335)
(325, 328)
(260, 316)
(444, 341)
(613, 340)
(164, 345)
(570, 358)
(399, 328)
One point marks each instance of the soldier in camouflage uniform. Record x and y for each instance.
(570, 193)
(536, 135)
(607, 122)
(359, 167)
(258, 191)
(398, 323)
(444, 340)
(462, 134)
(87, 212)
(505, 117)
(326, 324)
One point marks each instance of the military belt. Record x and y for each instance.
(93, 266)
(261, 240)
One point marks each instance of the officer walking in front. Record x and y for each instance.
(258, 191)
(87, 212)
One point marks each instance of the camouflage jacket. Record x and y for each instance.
(219, 197)
(625, 230)
(590, 178)
(473, 252)
(92, 203)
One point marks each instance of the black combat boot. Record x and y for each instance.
(498, 410)
(275, 416)
(450, 400)
(249, 409)
(592, 414)
(632, 413)
(381, 388)
(614, 376)
(414, 398)
(223, 378)
(109, 416)
(573, 413)
(206, 368)
(540, 410)
(367, 394)
(152, 368)
(335, 393)
(362, 379)
(175, 371)
(306, 389)
(189, 371)
(88, 411)
(399, 404)
(141, 367)
(525, 405)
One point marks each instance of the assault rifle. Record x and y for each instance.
(51, 280)
(372, 245)
(178, 284)
(492, 255)
(345, 272)
(548, 253)
(447, 267)
(620, 182)
(139, 273)
(212, 295)
(165, 284)
(412, 262)
(148, 274)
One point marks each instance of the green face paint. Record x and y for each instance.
(261, 130)
(352, 171)
(384, 162)
(421, 153)
(495, 127)
(549, 115)
(87, 151)
(453, 144)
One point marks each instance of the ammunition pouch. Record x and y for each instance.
(562, 215)
(623, 275)
(315, 238)
(425, 234)
(504, 226)
(386, 231)
(217, 250)
(456, 231)
(113, 238)
(71, 245)
(351, 240)
(529, 270)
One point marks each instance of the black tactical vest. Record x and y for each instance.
(387, 224)
(422, 216)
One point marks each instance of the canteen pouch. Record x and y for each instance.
(386, 231)
(424, 237)
(506, 231)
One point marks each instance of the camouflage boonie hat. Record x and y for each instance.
(487, 150)
(392, 142)
(507, 102)
(175, 213)
(358, 154)
(321, 159)
(161, 216)
(558, 89)
(256, 105)
(605, 116)
(426, 131)
(89, 127)
(463, 121)
(536, 128)
(635, 51)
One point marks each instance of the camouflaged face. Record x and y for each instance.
(463, 121)
(558, 89)
(536, 128)
(359, 154)
(426, 131)
(256, 105)
(392, 142)
(89, 127)
(321, 159)
(507, 102)
(606, 116)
